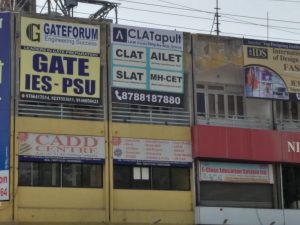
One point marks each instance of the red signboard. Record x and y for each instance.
(245, 144)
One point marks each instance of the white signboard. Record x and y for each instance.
(236, 172)
(51, 147)
(147, 66)
(147, 37)
(4, 184)
(152, 151)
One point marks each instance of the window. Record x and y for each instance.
(200, 104)
(60, 174)
(223, 101)
(287, 110)
(153, 177)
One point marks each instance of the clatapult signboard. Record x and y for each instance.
(4, 104)
(147, 66)
(60, 61)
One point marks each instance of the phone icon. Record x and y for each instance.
(118, 96)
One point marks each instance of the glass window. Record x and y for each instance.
(60, 174)
(122, 176)
(141, 178)
(71, 175)
(49, 174)
(285, 109)
(221, 107)
(161, 178)
(200, 104)
(294, 110)
(153, 177)
(231, 105)
(212, 105)
(91, 175)
(28, 174)
(180, 178)
(240, 105)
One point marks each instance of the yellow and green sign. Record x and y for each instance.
(60, 61)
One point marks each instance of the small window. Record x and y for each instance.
(180, 179)
(212, 105)
(140, 173)
(71, 175)
(49, 174)
(28, 174)
(231, 105)
(92, 175)
(141, 178)
(122, 177)
(200, 104)
(221, 106)
(240, 105)
(161, 178)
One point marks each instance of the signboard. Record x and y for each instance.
(61, 148)
(5, 49)
(272, 70)
(60, 61)
(152, 152)
(236, 172)
(147, 66)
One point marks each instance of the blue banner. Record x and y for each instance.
(5, 45)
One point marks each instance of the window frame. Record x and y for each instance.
(60, 184)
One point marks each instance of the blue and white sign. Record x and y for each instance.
(4, 104)
(147, 66)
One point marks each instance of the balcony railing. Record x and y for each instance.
(288, 124)
(150, 115)
(234, 121)
(58, 110)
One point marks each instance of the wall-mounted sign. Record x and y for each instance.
(272, 69)
(5, 49)
(61, 148)
(147, 66)
(60, 61)
(152, 152)
(236, 172)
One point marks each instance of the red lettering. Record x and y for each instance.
(40, 140)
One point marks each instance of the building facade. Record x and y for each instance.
(112, 124)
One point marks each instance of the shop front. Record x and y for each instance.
(246, 176)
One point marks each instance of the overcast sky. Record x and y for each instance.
(242, 18)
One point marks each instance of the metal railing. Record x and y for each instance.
(150, 115)
(234, 121)
(288, 124)
(59, 110)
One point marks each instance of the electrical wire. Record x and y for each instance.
(204, 30)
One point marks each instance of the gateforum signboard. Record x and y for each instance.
(5, 48)
(272, 70)
(147, 66)
(60, 61)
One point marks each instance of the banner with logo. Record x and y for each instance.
(5, 73)
(236, 172)
(272, 70)
(61, 148)
(60, 61)
(152, 152)
(147, 66)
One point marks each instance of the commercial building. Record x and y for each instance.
(113, 124)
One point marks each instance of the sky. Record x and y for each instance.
(276, 20)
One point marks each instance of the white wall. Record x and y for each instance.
(246, 216)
